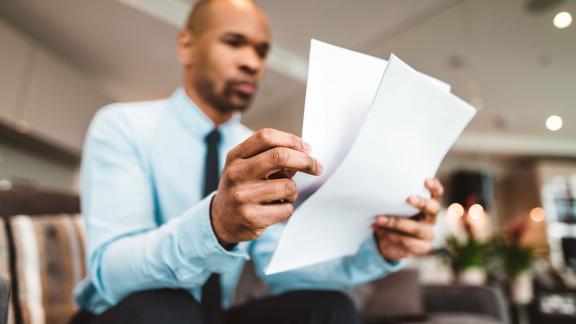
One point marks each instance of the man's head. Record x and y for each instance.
(224, 49)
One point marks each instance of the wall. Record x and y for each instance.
(43, 94)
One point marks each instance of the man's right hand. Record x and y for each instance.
(248, 199)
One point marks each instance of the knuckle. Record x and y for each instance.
(244, 212)
(230, 156)
(393, 222)
(289, 186)
(312, 164)
(278, 155)
(434, 206)
(235, 173)
(287, 211)
(295, 141)
(238, 196)
(265, 135)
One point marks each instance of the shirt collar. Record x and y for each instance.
(194, 119)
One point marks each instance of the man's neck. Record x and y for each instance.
(217, 117)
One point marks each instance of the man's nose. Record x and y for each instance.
(251, 63)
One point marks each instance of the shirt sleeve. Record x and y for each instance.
(128, 250)
(365, 266)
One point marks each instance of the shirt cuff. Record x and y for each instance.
(198, 243)
(370, 257)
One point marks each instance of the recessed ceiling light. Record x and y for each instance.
(562, 20)
(455, 210)
(476, 212)
(554, 123)
(537, 214)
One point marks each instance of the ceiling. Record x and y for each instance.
(513, 65)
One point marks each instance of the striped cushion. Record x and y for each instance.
(50, 262)
(4, 268)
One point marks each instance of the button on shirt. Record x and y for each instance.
(147, 224)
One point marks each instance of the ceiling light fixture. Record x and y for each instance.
(537, 214)
(476, 212)
(562, 20)
(554, 123)
(455, 210)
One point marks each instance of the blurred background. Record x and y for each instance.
(511, 177)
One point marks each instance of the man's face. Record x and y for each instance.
(229, 55)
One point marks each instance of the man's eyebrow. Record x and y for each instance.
(244, 38)
(234, 35)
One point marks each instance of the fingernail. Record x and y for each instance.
(307, 147)
(320, 167)
(382, 220)
(414, 200)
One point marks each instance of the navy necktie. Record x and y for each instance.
(211, 291)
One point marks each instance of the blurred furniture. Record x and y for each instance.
(554, 298)
(45, 243)
(4, 300)
(399, 298)
(43, 233)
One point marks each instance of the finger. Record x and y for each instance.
(417, 201)
(408, 226)
(283, 174)
(435, 187)
(391, 250)
(281, 158)
(267, 191)
(271, 214)
(264, 140)
(410, 244)
(429, 207)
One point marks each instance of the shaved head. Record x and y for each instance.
(203, 10)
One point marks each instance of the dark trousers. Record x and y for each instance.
(175, 306)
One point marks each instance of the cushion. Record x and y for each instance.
(4, 250)
(5, 276)
(399, 295)
(49, 262)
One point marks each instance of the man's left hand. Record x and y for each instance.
(401, 237)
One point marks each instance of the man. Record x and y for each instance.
(167, 239)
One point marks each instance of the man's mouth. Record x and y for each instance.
(245, 88)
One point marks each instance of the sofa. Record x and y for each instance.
(42, 259)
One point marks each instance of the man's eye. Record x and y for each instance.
(233, 42)
(262, 51)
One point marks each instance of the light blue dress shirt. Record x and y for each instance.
(147, 224)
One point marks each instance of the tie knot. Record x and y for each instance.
(213, 137)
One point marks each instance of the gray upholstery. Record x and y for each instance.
(4, 298)
(399, 295)
(482, 301)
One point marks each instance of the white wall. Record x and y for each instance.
(48, 93)
(40, 89)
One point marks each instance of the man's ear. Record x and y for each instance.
(186, 46)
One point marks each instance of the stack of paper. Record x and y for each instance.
(380, 129)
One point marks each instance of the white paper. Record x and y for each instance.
(380, 129)
(340, 89)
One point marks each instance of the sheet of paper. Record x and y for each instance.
(397, 142)
(340, 89)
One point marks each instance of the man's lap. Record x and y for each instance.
(178, 306)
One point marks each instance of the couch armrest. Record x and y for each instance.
(4, 298)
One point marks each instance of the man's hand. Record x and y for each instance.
(399, 237)
(251, 196)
